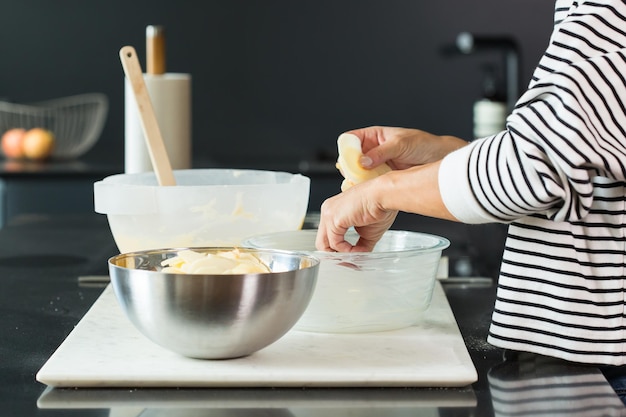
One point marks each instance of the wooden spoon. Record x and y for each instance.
(152, 133)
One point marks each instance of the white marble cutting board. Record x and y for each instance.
(105, 350)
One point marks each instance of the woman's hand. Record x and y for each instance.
(402, 148)
(356, 207)
(372, 206)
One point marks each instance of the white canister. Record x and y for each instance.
(170, 94)
(489, 117)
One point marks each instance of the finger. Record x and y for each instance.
(385, 152)
(329, 236)
(364, 245)
(370, 137)
(331, 242)
(340, 245)
(321, 239)
(366, 134)
(335, 236)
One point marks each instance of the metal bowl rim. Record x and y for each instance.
(314, 261)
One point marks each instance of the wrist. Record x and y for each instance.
(384, 191)
(413, 190)
(451, 144)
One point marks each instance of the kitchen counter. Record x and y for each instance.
(63, 186)
(43, 299)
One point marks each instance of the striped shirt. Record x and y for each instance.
(557, 176)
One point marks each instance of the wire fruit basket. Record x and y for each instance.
(76, 121)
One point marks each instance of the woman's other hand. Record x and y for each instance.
(402, 148)
(356, 207)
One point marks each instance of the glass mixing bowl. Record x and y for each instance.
(388, 288)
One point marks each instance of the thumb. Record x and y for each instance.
(377, 156)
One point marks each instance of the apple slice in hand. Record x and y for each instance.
(348, 163)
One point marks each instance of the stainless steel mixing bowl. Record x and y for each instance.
(213, 316)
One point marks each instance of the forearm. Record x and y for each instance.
(446, 145)
(413, 190)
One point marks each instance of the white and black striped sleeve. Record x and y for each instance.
(569, 127)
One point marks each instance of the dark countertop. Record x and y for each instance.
(42, 300)
(71, 168)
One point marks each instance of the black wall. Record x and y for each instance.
(272, 80)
